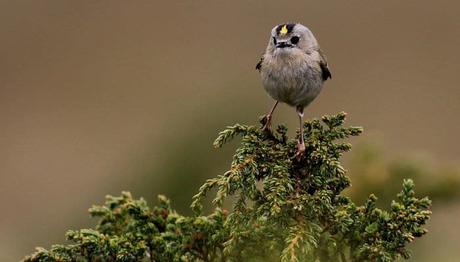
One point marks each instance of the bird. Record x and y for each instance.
(293, 70)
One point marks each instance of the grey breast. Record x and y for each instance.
(296, 83)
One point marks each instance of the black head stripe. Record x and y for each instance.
(289, 28)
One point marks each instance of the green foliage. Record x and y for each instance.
(282, 208)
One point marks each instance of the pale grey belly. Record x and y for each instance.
(293, 87)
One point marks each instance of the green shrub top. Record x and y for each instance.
(282, 209)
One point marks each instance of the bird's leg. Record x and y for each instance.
(301, 144)
(268, 123)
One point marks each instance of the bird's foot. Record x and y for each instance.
(267, 122)
(300, 150)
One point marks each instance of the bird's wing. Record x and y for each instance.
(325, 73)
(259, 64)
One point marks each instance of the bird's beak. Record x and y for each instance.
(283, 45)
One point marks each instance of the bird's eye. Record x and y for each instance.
(274, 40)
(295, 40)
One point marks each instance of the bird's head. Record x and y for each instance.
(291, 38)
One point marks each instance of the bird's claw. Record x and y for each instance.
(300, 151)
(268, 123)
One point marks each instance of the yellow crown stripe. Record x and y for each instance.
(284, 30)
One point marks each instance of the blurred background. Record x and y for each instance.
(102, 96)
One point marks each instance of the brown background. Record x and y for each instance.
(102, 96)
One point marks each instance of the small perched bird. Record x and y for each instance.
(293, 70)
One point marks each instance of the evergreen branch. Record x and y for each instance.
(283, 209)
